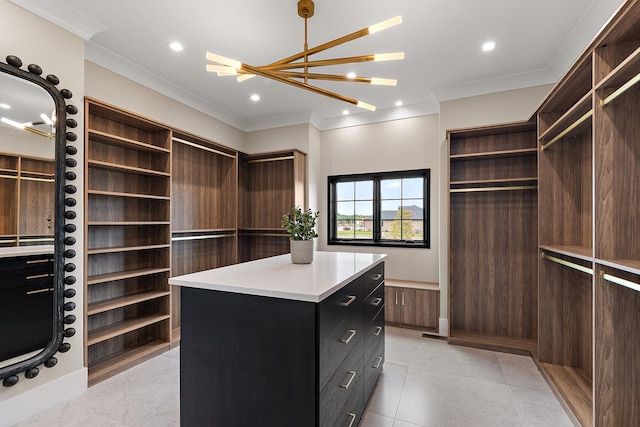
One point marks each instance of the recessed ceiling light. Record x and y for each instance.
(345, 112)
(176, 46)
(488, 46)
(398, 103)
(5, 106)
(255, 97)
(351, 75)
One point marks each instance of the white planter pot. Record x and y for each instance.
(301, 251)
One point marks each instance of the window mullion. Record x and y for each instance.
(377, 226)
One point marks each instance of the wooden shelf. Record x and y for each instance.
(574, 114)
(501, 153)
(115, 303)
(119, 249)
(125, 223)
(503, 344)
(494, 181)
(131, 195)
(121, 328)
(212, 230)
(106, 367)
(630, 266)
(624, 72)
(127, 274)
(579, 252)
(572, 388)
(122, 142)
(97, 164)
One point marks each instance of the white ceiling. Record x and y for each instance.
(537, 41)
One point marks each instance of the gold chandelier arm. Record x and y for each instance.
(315, 89)
(335, 77)
(341, 40)
(320, 63)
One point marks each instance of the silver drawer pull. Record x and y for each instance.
(378, 362)
(346, 386)
(39, 276)
(377, 276)
(377, 301)
(352, 333)
(39, 291)
(351, 299)
(353, 418)
(378, 330)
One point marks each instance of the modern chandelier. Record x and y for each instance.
(283, 70)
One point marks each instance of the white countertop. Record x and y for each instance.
(26, 250)
(277, 277)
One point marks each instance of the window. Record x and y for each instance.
(380, 209)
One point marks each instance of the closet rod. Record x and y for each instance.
(619, 281)
(201, 237)
(568, 264)
(568, 129)
(484, 189)
(9, 241)
(26, 239)
(622, 89)
(27, 178)
(9, 176)
(272, 159)
(202, 147)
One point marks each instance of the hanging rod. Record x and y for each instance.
(8, 241)
(485, 189)
(568, 264)
(272, 159)
(28, 178)
(9, 176)
(619, 281)
(48, 239)
(201, 237)
(203, 147)
(568, 129)
(263, 234)
(622, 89)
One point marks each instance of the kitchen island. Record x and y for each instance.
(271, 343)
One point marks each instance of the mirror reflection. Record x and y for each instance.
(27, 195)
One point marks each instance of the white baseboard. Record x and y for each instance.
(443, 329)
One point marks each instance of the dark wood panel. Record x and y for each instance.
(392, 307)
(462, 144)
(422, 308)
(127, 287)
(118, 209)
(617, 358)
(39, 166)
(131, 235)
(565, 321)
(565, 192)
(9, 206)
(493, 259)
(119, 123)
(203, 189)
(123, 261)
(129, 156)
(498, 168)
(618, 178)
(36, 208)
(255, 247)
(122, 182)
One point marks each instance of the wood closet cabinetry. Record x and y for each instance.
(493, 206)
(589, 128)
(27, 189)
(412, 304)
(270, 185)
(161, 202)
(128, 192)
(203, 210)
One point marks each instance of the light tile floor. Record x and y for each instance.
(425, 382)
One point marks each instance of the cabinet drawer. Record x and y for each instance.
(373, 303)
(373, 278)
(374, 333)
(372, 368)
(352, 411)
(346, 302)
(346, 380)
(345, 338)
(26, 271)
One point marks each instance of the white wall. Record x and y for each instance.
(58, 52)
(388, 146)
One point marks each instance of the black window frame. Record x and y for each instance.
(376, 177)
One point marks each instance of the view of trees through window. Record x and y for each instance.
(387, 207)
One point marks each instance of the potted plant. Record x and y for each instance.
(300, 226)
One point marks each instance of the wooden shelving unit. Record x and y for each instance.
(128, 194)
(27, 185)
(203, 210)
(270, 185)
(589, 239)
(493, 222)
